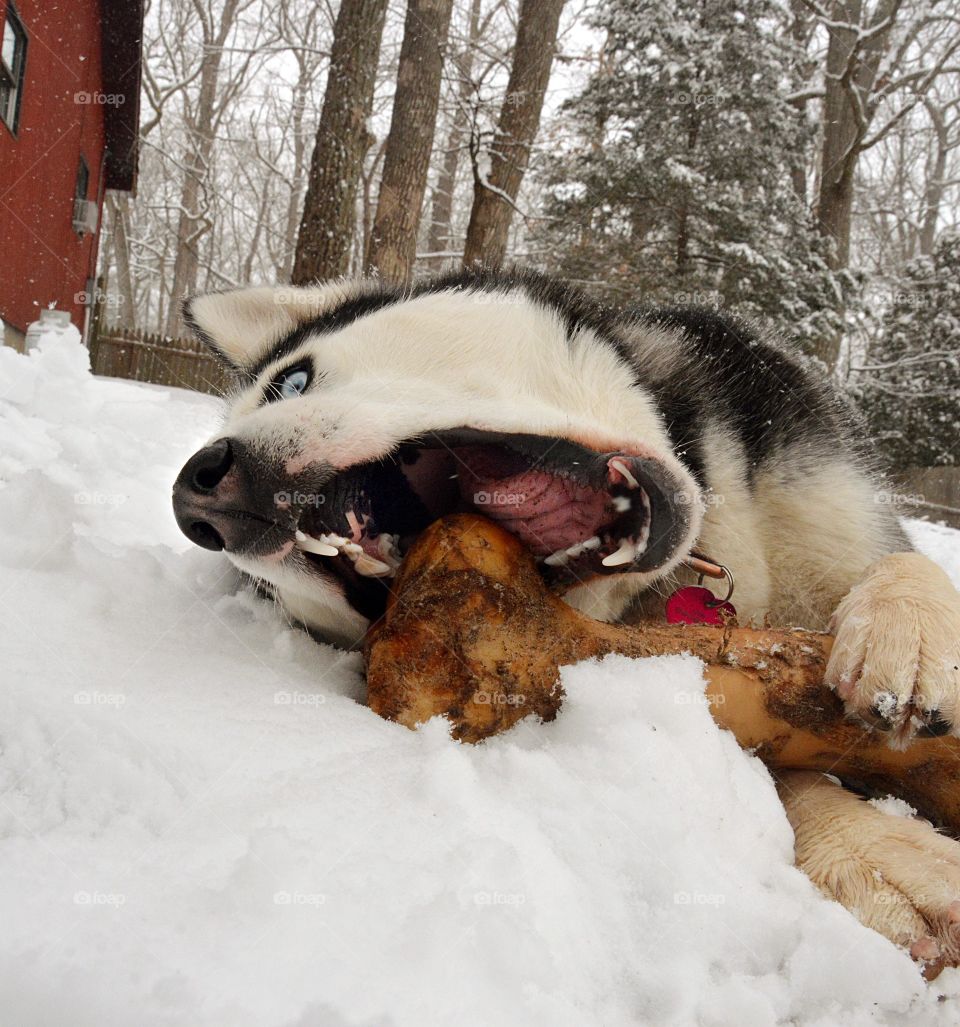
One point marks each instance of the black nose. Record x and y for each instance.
(203, 534)
(197, 488)
(204, 471)
(228, 497)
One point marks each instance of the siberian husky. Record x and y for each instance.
(612, 445)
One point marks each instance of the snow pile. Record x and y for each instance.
(200, 824)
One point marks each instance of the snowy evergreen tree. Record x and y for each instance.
(910, 387)
(676, 187)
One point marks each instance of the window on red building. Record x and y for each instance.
(81, 209)
(13, 59)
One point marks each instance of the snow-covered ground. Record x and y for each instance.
(200, 825)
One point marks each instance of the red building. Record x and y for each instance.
(69, 106)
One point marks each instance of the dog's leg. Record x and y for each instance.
(897, 875)
(896, 659)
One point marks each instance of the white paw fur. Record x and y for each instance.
(897, 875)
(896, 657)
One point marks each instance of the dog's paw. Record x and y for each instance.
(896, 874)
(896, 655)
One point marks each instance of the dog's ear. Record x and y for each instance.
(241, 325)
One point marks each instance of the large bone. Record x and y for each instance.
(473, 634)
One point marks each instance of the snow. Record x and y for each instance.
(893, 806)
(201, 825)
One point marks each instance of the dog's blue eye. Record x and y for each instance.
(292, 383)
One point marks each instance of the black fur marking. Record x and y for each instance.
(575, 309)
(340, 316)
(720, 371)
(762, 394)
(186, 312)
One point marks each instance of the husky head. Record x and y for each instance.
(363, 413)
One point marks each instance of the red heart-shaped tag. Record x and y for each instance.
(696, 605)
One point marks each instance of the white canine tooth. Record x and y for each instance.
(387, 544)
(365, 564)
(313, 545)
(621, 503)
(356, 527)
(643, 539)
(619, 465)
(371, 567)
(561, 556)
(625, 554)
(334, 540)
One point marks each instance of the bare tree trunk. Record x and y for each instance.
(801, 27)
(304, 36)
(291, 220)
(367, 178)
(936, 172)
(441, 206)
(329, 212)
(119, 217)
(191, 225)
(393, 243)
(495, 193)
(683, 212)
(847, 110)
(257, 234)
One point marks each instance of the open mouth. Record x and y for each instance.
(581, 513)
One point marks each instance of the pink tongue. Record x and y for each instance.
(545, 511)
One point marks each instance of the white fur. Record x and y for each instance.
(243, 323)
(896, 874)
(493, 361)
(796, 538)
(898, 644)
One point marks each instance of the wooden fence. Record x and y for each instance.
(145, 357)
(932, 493)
